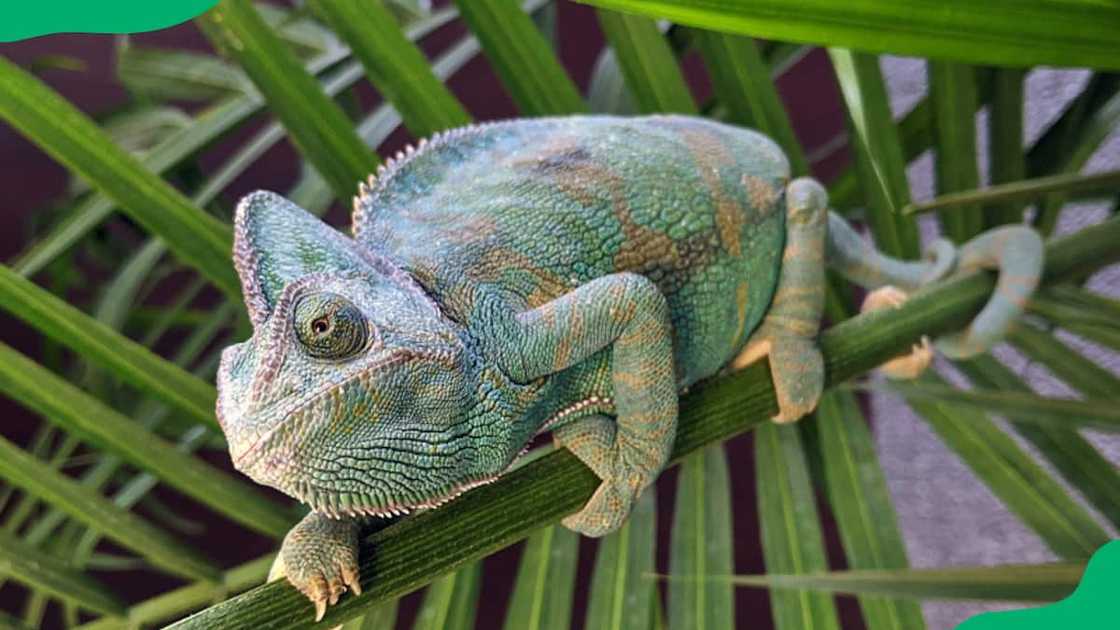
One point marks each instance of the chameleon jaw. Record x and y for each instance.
(329, 503)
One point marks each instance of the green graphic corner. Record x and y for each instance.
(21, 19)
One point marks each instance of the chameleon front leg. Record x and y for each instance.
(788, 333)
(627, 313)
(319, 556)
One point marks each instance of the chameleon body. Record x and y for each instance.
(571, 275)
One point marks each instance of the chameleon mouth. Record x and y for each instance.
(352, 504)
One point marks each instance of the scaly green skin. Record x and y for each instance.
(571, 275)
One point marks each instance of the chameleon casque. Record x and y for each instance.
(571, 275)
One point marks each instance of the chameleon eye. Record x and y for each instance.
(330, 327)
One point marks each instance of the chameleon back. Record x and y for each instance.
(520, 212)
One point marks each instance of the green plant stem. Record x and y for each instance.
(412, 553)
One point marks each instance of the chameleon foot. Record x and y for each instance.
(592, 440)
(908, 366)
(319, 556)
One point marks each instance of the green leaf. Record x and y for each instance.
(647, 62)
(383, 617)
(1024, 407)
(51, 575)
(861, 503)
(1026, 190)
(179, 75)
(128, 530)
(395, 65)
(791, 533)
(91, 420)
(72, 138)
(877, 151)
(1007, 159)
(545, 584)
(608, 92)
(321, 131)
(521, 57)
(620, 587)
(1011, 473)
(450, 602)
(1025, 582)
(100, 344)
(411, 552)
(701, 543)
(1053, 32)
(741, 80)
(952, 88)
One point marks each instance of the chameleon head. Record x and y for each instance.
(352, 395)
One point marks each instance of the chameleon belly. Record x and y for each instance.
(521, 212)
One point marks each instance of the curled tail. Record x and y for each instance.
(1015, 251)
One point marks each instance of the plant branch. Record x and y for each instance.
(409, 554)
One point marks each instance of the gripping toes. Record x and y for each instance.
(907, 366)
(592, 440)
(319, 557)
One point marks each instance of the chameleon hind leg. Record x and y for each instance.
(628, 314)
(788, 332)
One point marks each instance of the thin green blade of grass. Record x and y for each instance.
(742, 81)
(1074, 457)
(1057, 144)
(1024, 407)
(319, 128)
(409, 554)
(102, 345)
(1025, 582)
(647, 62)
(607, 91)
(1053, 32)
(701, 543)
(521, 57)
(861, 503)
(1006, 156)
(394, 65)
(168, 74)
(72, 138)
(383, 617)
(188, 598)
(952, 88)
(91, 420)
(54, 576)
(450, 602)
(877, 151)
(94, 510)
(1101, 304)
(545, 585)
(620, 587)
(792, 541)
(1012, 474)
(966, 201)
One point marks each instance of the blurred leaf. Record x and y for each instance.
(1025, 407)
(102, 345)
(861, 503)
(137, 131)
(383, 617)
(395, 65)
(1010, 473)
(608, 93)
(323, 133)
(545, 584)
(179, 75)
(450, 602)
(741, 80)
(521, 57)
(68, 135)
(877, 151)
(1024, 582)
(1071, 455)
(1054, 32)
(306, 35)
(1025, 190)
(1007, 159)
(89, 419)
(92, 509)
(647, 62)
(701, 543)
(45, 572)
(952, 88)
(620, 587)
(791, 533)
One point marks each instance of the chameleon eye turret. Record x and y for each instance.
(330, 327)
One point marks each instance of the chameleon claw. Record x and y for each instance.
(320, 609)
(350, 578)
